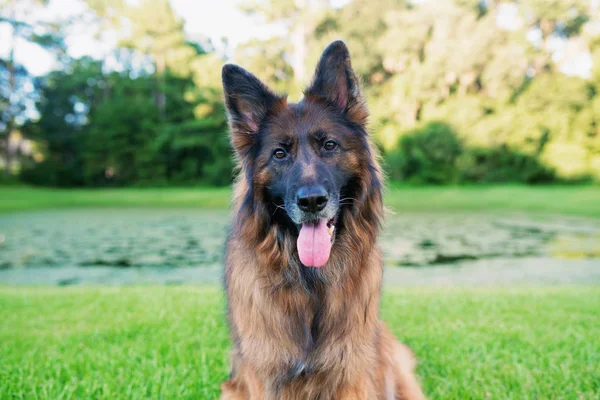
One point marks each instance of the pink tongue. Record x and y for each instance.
(314, 244)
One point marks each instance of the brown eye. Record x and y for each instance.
(330, 145)
(279, 154)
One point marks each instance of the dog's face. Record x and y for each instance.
(302, 161)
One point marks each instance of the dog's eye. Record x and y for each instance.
(279, 154)
(330, 145)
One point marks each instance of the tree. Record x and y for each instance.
(491, 84)
(64, 102)
(300, 20)
(188, 136)
(478, 67)
(15, 95)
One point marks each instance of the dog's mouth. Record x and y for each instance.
(315, 241)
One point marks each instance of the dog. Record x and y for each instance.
(302, 268)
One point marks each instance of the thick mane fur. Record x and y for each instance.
(301, 332)
(254, 219)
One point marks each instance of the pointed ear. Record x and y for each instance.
(335, 83)
(248, 102)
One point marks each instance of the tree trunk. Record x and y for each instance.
(299, 42)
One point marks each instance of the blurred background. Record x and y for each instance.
(477, 106)
(127, 92)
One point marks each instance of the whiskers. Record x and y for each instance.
(347, 201)
(277, 207)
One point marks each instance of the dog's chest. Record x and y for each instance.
(316, 335)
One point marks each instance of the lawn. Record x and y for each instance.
(172, 342)
(568, 200)
(22, 198)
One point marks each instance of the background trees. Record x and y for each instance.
(150, 112)
(459, 90)
(16, 83)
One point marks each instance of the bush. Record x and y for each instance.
(426, 155)
(435, 154)
(501, 164)
(60, 173)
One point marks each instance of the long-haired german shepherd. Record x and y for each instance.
(303, 271)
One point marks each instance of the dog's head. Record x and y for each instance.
(308, 163)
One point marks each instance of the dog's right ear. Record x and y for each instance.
(248, 102)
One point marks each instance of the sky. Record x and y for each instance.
(214, 19)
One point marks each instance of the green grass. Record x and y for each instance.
(559, 199)
(21, 198)
(570, 200)
(172, 342)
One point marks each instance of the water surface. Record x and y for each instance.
(121, 246)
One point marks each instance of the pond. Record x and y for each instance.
(127, 246)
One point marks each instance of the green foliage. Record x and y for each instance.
(23, 25)
(449, 61)
(500, 164)
(120, 144)
(65, 97)
(160, 123)
(427, 155)
(120, 128)
(112, 133)
(252, 56)
(453, 95)
(435, 154)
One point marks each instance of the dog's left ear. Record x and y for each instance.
(334, 82)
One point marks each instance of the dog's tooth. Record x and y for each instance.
(331, 229)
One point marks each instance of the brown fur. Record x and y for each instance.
(301, 333)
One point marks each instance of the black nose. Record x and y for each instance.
(312, 198)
